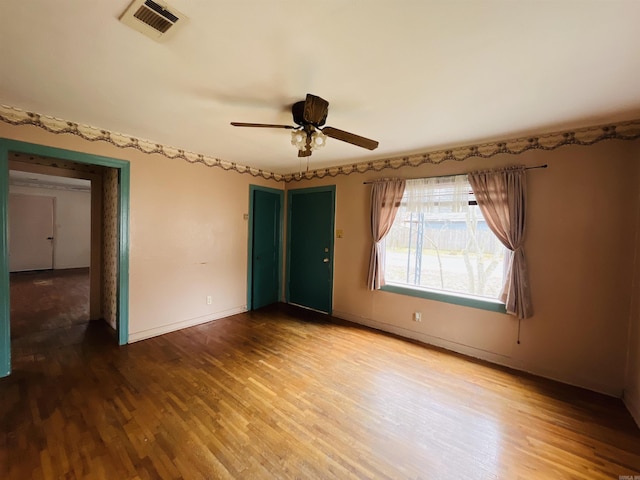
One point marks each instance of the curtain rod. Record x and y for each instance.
(454, 174)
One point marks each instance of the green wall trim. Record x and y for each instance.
(326, 188)
(53, 152)
(280, 193)
(123, 258)
(123, 167)
(473, 302)
(290, 193)
(5, 312)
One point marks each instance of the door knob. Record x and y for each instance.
(49, 238)
(325, 260)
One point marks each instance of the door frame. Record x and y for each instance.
(290, 193)
(280, 193)
(123, 168)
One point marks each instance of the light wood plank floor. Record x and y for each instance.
(283, 394)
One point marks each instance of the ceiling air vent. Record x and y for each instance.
(156, 20)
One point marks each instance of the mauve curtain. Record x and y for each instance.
(501, 197)
(385, 201)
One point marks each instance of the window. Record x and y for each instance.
(440, 241)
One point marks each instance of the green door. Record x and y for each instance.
(310, 247)
(265, 247)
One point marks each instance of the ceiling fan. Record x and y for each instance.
(309, 116)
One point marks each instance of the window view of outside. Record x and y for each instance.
(439, 240)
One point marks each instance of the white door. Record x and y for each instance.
(30, 232)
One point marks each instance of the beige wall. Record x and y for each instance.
(632, 387)
(188, 235)
(188, 241)
(72, 229)
(581, 226)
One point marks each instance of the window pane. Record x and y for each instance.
(443, 246)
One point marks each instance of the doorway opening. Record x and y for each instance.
(50, 244)
(104, 286)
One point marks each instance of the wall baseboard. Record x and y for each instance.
(492, 357)
(424, 338)
(192, 322)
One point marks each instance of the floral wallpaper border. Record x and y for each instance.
(15, 116)
(584, 136)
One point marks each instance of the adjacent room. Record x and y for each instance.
(49, 273)
(333, 240)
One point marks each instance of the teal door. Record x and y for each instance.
(310, 247)
(265, 265)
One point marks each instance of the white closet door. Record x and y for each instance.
(30, 232)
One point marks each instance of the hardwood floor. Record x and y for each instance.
(280, 393)
(49, 307)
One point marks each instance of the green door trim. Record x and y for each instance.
(124, 175)
(280, 193)
(290, 193)
(5, 309)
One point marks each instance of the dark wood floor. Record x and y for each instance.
(48, 308)
(280, 393)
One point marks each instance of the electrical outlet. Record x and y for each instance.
(209, 300)
(417, 316)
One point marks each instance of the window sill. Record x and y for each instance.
(448, 297)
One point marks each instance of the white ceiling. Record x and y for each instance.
(414, 75)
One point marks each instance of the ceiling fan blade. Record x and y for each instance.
(261, 125)
(350, 138)
(315, 110)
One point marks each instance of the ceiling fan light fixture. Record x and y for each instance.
(299, 139)
(309, 134)
(318, 140)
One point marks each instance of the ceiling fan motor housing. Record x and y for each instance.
(305, 114)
